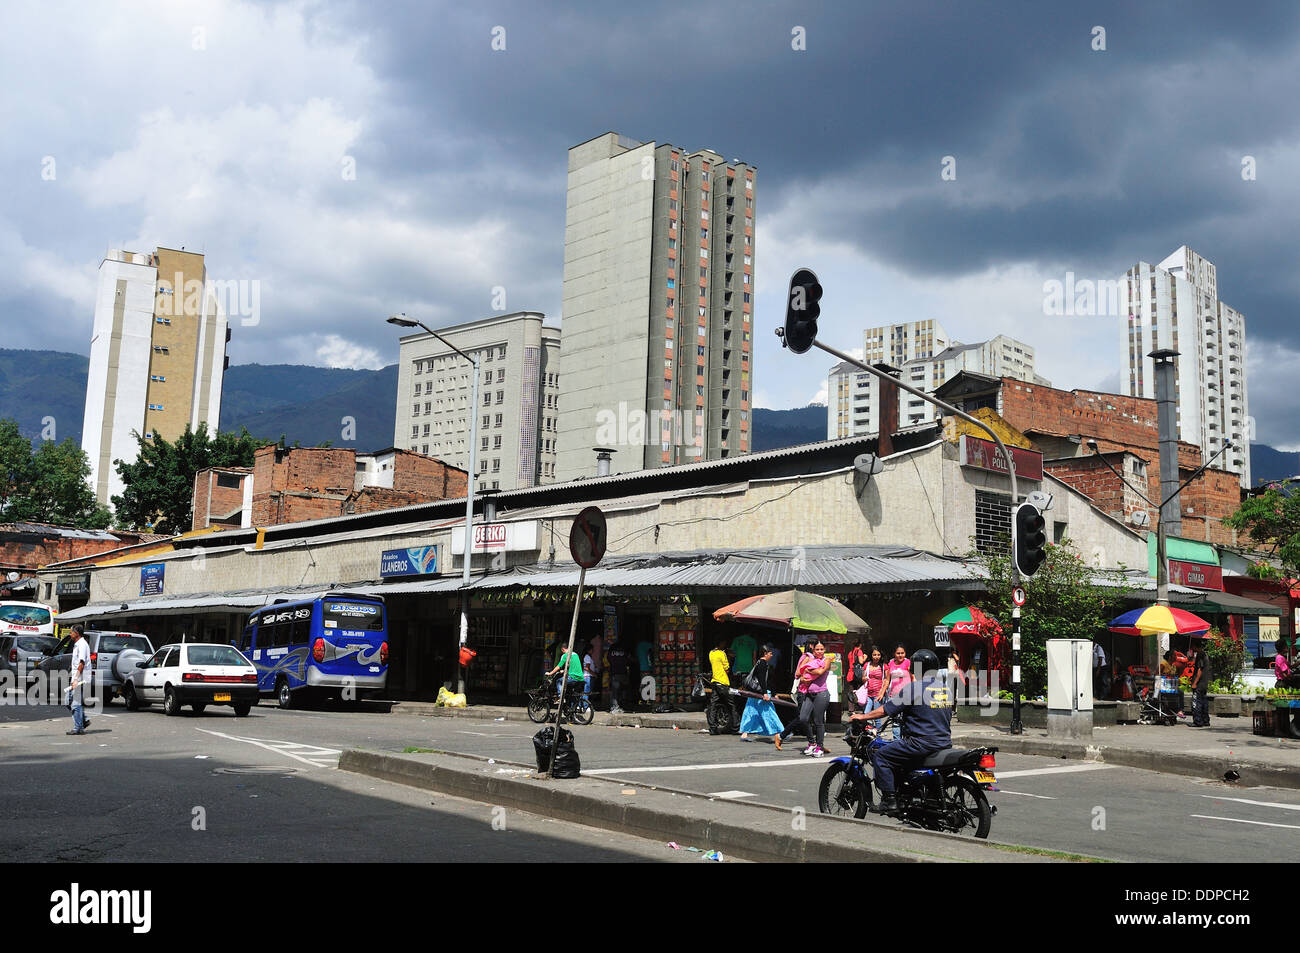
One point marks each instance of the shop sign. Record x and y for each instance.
(78, 585)
(421, 561)
(1270, 628)
(1195, 575)
(151, 579)
(498, 537)
(985, 455)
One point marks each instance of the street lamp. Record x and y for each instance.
(402, 321)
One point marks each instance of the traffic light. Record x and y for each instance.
(801, 311)
(1029, 539)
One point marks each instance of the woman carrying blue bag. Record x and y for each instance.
(760, 716)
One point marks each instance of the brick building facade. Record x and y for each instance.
(1061, 424)
(309, 483)
(27, 546)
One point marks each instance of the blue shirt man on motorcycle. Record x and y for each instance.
(925, 710)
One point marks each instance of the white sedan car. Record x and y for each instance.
(198, 674)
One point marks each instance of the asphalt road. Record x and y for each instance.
(213, 788)
(273, 773)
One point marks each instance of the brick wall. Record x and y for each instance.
(212, 499)
(32, 548)
(310, 483)
(992, 520)
(429, 476)
(1120, 423)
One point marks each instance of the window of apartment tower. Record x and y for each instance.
(496, 442)
(501, 352)
(501, 374)
(501, 397)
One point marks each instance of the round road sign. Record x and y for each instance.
(1018, 596)
(587, 537)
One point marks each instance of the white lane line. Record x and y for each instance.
(731, 795)
(1242, 800)
(1064, 769)
(1238, 820)
(710, 767)
(1041, 797)
(272, 746)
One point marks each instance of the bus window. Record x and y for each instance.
(246, 643)
(279, 635)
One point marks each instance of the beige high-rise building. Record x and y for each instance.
(157, 357)
(519, 398)
(658, 306)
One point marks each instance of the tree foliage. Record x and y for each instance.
(1273, 521)
(1062, 601)
(159, 485)
(47, 486)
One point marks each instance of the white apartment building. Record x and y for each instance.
(519, 398)
(1175, 305)
(852, 405)
(157, 358)
(658, 305)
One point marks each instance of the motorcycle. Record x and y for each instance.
(944, 792)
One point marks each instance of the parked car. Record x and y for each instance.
(20, 653)
(106, 680)
(197, 674)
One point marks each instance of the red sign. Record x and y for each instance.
(985, 455)
(1195, 575)
(490, 536)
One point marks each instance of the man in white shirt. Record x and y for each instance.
(1100, 679)
(80, 666)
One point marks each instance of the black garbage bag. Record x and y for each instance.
(567, 764)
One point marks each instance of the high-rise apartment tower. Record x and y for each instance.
(657, 306)
(157, 357)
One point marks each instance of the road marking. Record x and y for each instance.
(1242, 800)
(1064, 769)
(1238, 820)
(1041, 797)
(324, 756)
(731, 795)
(710, 767)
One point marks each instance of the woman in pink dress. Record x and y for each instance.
(899, 673)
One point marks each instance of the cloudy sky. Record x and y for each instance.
(357, 159)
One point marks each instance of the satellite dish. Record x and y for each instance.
(1139, 517)
(12, 577)
(868, 463)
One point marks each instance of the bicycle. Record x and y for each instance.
(577, 705)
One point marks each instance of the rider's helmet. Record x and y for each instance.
(924, 662)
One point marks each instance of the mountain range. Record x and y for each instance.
(45, 391)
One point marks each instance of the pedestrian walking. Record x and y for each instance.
(617, 658)
(760, 715)
(876, 680)
(1200, 686)
(813, 672)
(899, 675)
(855, 665)
(80, 667)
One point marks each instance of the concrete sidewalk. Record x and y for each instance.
(1209, 753)
(747, 831)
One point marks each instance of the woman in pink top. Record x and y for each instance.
(899, 673)
(875, 681)
(813, 673)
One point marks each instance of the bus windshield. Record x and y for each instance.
(25, 617)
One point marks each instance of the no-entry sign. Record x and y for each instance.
(587, 537)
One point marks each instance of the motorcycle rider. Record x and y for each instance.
(926, 714)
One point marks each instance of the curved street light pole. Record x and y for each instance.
(402, 321)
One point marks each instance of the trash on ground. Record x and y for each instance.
(629, 790)
(713, 855)
(674, 845)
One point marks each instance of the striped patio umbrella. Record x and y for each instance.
(805, 611)
(1156, 620)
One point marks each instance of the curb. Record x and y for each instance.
(1206, 767)
(684, 721)
(750, 832)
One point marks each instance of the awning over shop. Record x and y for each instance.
(1227, 604)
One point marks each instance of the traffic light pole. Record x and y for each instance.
(1016, 727)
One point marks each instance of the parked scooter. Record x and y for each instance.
(945, 792)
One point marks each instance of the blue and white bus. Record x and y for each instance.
(334, 645)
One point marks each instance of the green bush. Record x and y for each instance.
(1226, 655)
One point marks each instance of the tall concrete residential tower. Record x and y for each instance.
(519, 398)
(157, 357)
(658, 306)
(1175, 305)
